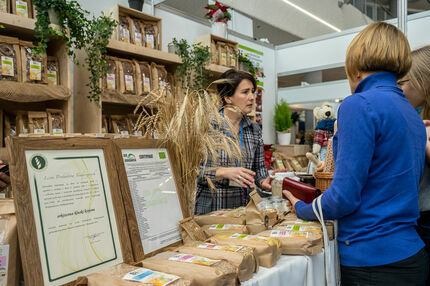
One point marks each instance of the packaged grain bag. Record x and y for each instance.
(191, 231)
(127, 275)
(110, 81)
(215, 229)
(266, 248)
(136, 32)
(120, 124)
(56, 121)
(33, 65)
(4, 6)
(22, 8)
(233, 216)
(52, 71)
(243, 257)
(297, 242)
(198, 270)
(10, 59)
(222, 52)
(145, 77)
(124, 29)
(292, 219)
(38, 122)
(127, 71)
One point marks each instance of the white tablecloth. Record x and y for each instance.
(294, 270)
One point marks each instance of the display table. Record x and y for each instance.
(294, 269)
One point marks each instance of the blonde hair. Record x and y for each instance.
(419, 76)
(379, 47)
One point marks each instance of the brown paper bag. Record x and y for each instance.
(111, 79)
(136, 32)
(243, 257)
(235, 216)
(56, 121)
(4, 6)
(144, 75)
(151, 38)
(9, 251)
(297, 242)
(191, 231)
(127, 71)
(10, 59)
(292, 219)
(113, 277)
(266, 248)
(222, 52)
(256, 221)
(215, 229)
(33, 65)
(124, 29)
(198, 270)
(232, 58)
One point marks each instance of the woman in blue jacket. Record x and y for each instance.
(379, 158)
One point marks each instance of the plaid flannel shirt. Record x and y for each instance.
(225, 196)
(321, 137)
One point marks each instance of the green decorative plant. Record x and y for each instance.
(79, 32)
(192, 73)
(282, 117)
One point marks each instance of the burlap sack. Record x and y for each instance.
(113, 277)
(235, 216)
(191, 231)
(203, 271)
(215, 229)
(297, 242)
(243, 257)
(9, 275)
(266, 248)
(291, 218)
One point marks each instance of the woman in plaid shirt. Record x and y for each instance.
(232, 179)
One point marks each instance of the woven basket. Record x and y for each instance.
(323, 180)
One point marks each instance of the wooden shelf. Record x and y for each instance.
(19, 26)
(217, 70)
(118, 48)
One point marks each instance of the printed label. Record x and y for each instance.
(300, 228)
(226, 226)
(39, 131)
(4, 263)
(110, 81)
(52, 77)
(223, 59)
(125, 35)
(147, 276)
(138, 133)
(129, 85)
(149, 41)
(232, 61)
(297, 221)
(249, 237)
(2, 196)
(162, 84)
(3, 8)
(24, 130)
(138, 38)
(35, 70)
(280, 164)
(124, 132)
(21, 8)
(57, 131)
(286, 233)
(146, 84)
(104, 130)
(7, 66)
(232, 248)
(188, 258)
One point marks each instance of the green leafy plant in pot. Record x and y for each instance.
(283, 122)
(79, 32)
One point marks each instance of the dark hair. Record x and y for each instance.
(233, 79)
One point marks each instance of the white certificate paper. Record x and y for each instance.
(75, 220)
(154, 195)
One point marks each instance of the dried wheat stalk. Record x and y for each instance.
(187, 120)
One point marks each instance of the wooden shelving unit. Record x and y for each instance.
(88, 115)
(30, 96)
(215, 69)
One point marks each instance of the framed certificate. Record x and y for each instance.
(70, 215)
(150, 193)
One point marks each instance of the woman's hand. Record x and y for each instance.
(240, 175)
(293, 200)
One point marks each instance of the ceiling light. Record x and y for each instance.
(312, 15)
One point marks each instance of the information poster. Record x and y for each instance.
(154, 195)
(256, 57)
(75, 220)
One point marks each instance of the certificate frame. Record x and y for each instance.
(140, 143)
(25, 213)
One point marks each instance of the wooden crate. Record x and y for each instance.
(116, 11)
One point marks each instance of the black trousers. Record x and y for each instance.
(411, 271)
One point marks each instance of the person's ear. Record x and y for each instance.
(227, 100)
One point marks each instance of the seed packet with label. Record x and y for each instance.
(232, 60)
(33, 65)
(151, 34)
(52, 71)
(222, 51)
(124, 29)
(38, 122)
(10, 64)
(145, 77)
(22, 8)
(128, 77)
(150, 277)
(111, 78)
(56, 121)
(137, 33)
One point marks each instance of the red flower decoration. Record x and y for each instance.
(218, 12)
